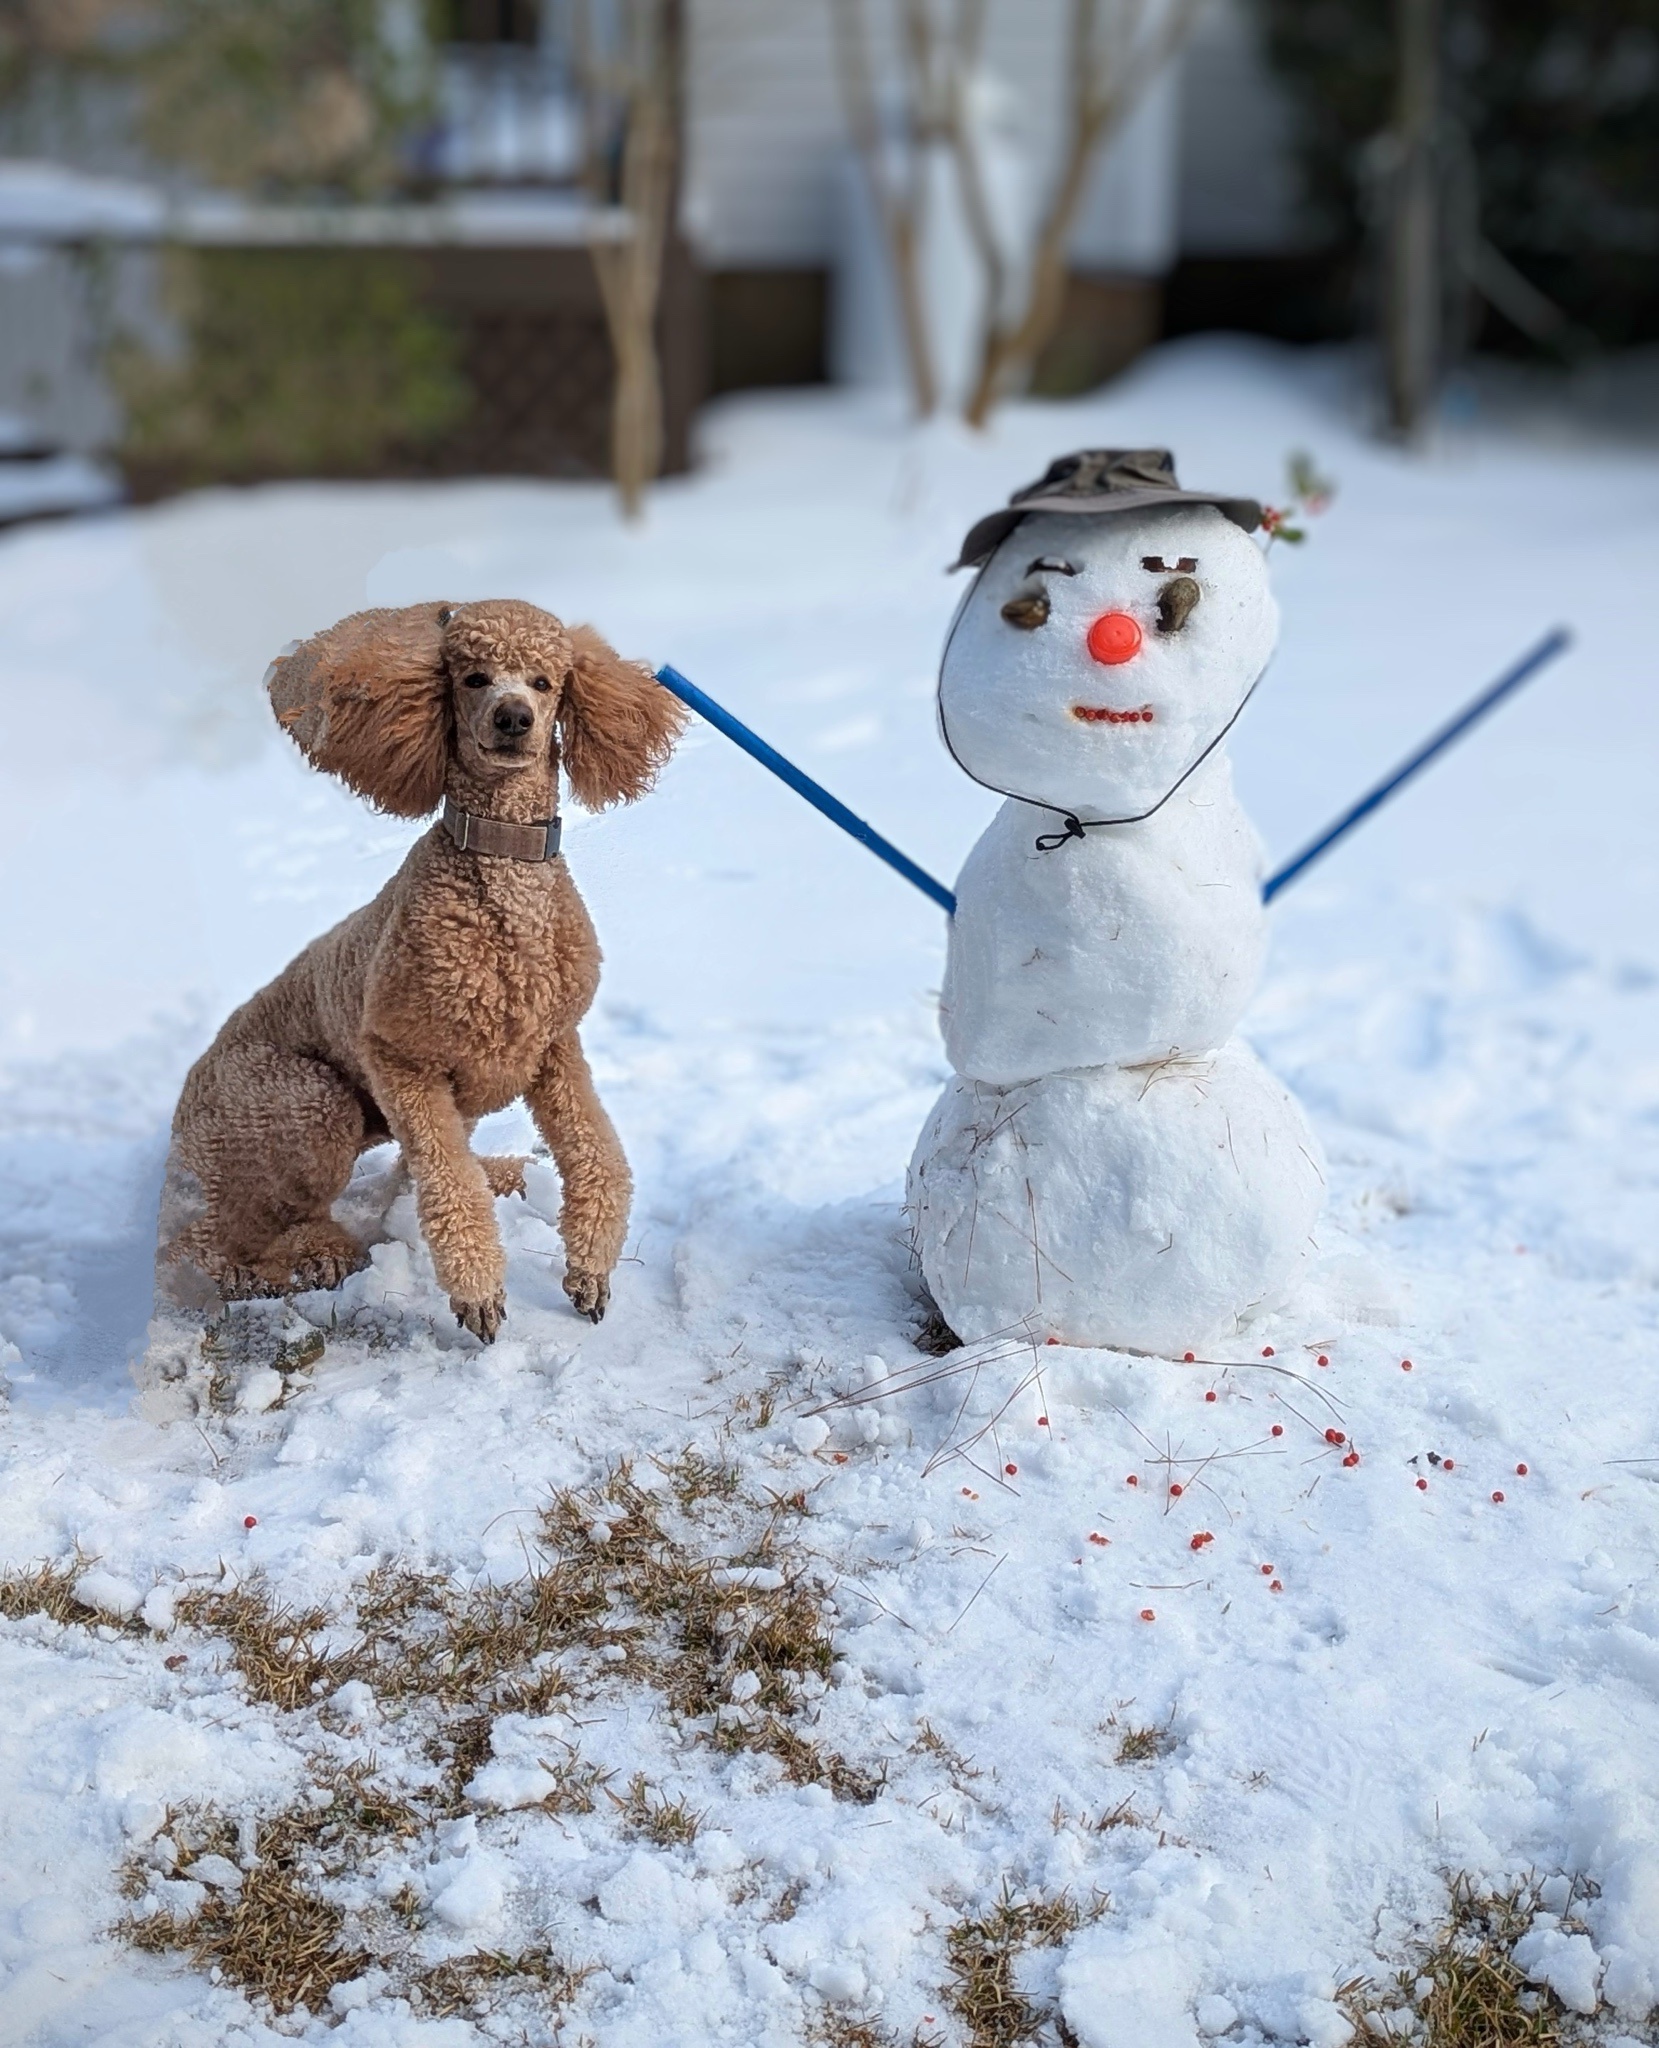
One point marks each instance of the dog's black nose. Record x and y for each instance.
(513, 719)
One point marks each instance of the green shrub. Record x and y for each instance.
(296, 362)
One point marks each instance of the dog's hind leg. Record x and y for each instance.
(597, 1184)
(270, 1137)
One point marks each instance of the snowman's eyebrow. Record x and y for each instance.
(1054, 565)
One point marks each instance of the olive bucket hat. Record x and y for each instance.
(1099, 480)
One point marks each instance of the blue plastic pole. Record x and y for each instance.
(1553, 643)
(803, 785)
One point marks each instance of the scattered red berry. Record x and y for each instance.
(1096, 1537)
(1190, 1359)
(1277, 1586)
(1497, 1496)
(1147, 1614)
(1210, 1395)
(1278, 1429)
(1198, 1541)
(1051, 1340)
(1132, 1480)
(1422, 1486)
(1405, 1365)
(1521, 1471)
(838, 1457)
(1448, 1464)
(969, 1494)
(1267, 1351)
(1010, 1470)
(1267, 1571)
(1322, 1359)
(1042, 1422)
(250, 1521)
(1352, 1458)
(1335, 1436)
(1175, 1491)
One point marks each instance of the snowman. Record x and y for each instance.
(1109, 1166)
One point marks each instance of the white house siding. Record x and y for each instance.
(765, 135)
(1238, 181)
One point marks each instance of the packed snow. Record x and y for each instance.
(1421, 1634)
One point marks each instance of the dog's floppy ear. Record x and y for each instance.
(617, 724)
(368, 701)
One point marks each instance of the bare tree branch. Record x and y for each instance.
(645, 80)
(896, 209)
(1106, 85)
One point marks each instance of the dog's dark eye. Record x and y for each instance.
(476, 681)
(541, 683)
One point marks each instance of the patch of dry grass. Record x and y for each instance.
(981, 1953)
(648, 1811)
(279, 1936)
(1461, 1987)
(47, 1589)
(850, 2030)
(685, 1587)
(695, 1479)
(283, 1938)
(1143, 1745)
(470, 1986)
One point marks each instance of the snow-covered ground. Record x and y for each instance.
(1361, 1684)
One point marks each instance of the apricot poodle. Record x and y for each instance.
(455, 992)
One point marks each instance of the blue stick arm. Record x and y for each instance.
(803, 785)
(1553, 643)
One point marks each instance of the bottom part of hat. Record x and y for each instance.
(1149, 1209)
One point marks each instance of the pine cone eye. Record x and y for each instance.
(1175, 603)
(1028, 610)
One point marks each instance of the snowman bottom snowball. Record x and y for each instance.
(1147, 1209)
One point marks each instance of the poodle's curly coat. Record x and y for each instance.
(455, 992)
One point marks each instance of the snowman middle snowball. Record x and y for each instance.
(1110, 1167)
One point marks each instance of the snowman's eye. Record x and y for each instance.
(1054, 565)
(1157, 566)
(1175, 603)
(1028, 610)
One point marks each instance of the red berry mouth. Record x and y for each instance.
(1095, 714)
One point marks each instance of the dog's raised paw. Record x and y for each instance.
(482, 1318)
(590, 1293)
(504, 1172)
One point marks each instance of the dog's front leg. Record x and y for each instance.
(452, 1194)
(594, 1173)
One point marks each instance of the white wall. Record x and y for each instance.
(765, 133)
(1238, 181)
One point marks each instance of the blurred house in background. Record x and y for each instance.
(391, 238)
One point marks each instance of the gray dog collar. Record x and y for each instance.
(496, 836)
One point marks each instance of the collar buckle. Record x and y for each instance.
(500, 839)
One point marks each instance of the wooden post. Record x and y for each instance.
(630, 271)
(1412, 280)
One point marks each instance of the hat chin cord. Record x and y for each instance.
(1073, 827)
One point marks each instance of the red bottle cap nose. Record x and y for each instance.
(1114, 637)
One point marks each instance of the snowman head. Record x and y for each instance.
(1102, 652)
